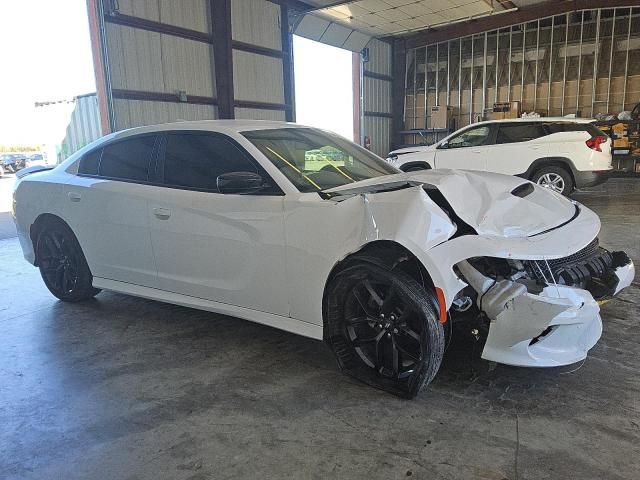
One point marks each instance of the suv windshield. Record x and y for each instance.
(314, 160)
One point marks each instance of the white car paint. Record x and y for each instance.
(511, 158)
(267, 259)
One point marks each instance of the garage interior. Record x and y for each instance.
(122, 387)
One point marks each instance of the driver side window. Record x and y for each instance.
(474, 137)
(195, 160)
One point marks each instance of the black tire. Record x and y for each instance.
(554, 175)
(62, 264)
(399, 352)
(417, 168)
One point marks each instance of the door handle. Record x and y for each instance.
(162, 213)
(74, 197)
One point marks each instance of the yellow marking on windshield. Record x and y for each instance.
(294, 167)
(341, 172)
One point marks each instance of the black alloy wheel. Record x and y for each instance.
(62, 264)
(384, 329)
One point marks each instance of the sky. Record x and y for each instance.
(324, 89)
(45, 55)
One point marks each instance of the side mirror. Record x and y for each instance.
(444, 145)
(240, 182)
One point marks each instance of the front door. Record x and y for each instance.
(227, 248)
(468, 150)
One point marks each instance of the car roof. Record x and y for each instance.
(538, 119)
(223, 126)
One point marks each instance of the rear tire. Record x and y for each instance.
(554, 178)
(383, 328)
(62, 264)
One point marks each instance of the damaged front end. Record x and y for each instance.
(541, 312)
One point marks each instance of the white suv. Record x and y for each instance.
(558, 153)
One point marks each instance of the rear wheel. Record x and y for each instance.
(383, 328)
(554, 178)
(62, 264)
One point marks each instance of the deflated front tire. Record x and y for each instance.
(383, 328)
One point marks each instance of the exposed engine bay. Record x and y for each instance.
(527, 309)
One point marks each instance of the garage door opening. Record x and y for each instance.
(324, 86)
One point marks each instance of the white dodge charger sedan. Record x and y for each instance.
(302, 230)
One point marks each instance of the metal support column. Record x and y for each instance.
(509, 63)
(595, 64)
(220, 11)
(535, 82)
(426, 91)
(626, 62)
(460, 81)
(580, 62)
(549, 73)
(497, 62)
(448, 71)
(613, 37)
(524, 54)
(437, 74)
(564, 68)
(484, 76)
(471, 82)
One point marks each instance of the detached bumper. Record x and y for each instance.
(557, 327)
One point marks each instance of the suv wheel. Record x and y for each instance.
(554, 178)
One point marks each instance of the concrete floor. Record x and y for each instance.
(124, 388)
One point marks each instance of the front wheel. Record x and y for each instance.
(62, 264)
(554, 178)
(383, 328)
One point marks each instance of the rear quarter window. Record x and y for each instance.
(128, 159)
(90, 163)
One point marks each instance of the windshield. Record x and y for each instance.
(314, 160)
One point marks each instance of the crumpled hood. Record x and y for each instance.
(484, 200)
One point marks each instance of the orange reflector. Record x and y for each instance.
(442, 304)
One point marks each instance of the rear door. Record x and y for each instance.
(469, 150)
(107, 209)
(226, 248)
(517, 146)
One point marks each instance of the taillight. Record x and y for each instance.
(595, 142)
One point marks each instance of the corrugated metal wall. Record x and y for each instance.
(160, 57)
(84, 126)
(584, 62)
(148, 69)
(257, 77)
(376, 87)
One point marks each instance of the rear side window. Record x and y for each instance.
(128, 159)
(90, 163)
(519, 132)
(574, 127)
(195, 161)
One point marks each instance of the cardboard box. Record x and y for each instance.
(506, 110)
(442, 117)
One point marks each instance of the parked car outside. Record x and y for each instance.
(33, 159)
(231, 217)
(12, 162)
(557, 153)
